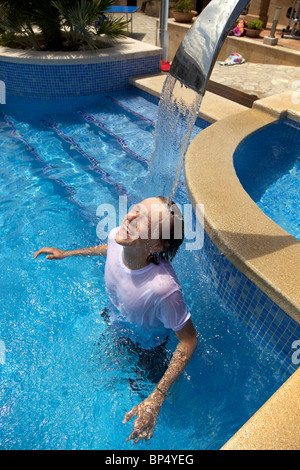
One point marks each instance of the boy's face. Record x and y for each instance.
(141, 226)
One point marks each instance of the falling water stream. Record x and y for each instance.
(178, 109)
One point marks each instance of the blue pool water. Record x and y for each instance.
(64, 383)
(268, 166)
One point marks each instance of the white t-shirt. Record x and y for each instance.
(146, 302)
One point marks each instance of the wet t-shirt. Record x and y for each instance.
(145, 303)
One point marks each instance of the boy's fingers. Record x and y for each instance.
(42, 250)
(135, 435)
(132, 436)
(130, 414)
(37, 253)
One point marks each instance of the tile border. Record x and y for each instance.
(47, 75)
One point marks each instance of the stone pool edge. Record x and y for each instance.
(121, 49)
(255, 245)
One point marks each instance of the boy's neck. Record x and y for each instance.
(133, 260)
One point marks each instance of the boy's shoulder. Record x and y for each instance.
(165, 280)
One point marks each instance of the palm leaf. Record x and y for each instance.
(78, 18)
(21, 28)
(75, 18)
(113, 27)
(47, 18)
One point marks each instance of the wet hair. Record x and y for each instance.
(176, 234)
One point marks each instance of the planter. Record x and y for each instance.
(252, 33)
(184, 17)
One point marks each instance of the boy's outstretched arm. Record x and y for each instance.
(147, 411)
(56, 253)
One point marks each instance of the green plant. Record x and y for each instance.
(58, 24)
(257, 24)
(27, 21)
(183, 6)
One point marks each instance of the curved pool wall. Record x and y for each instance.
(267, 165)
(49, 75)
(253, 263)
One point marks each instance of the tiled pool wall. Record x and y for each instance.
(272, 327)
(62, 80)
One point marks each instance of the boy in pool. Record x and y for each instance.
(145, 293)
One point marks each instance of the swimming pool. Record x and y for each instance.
(267, 164)
(65, 382)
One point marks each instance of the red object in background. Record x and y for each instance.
(165, 66)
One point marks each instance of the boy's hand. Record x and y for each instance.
(53, 253)
(147, 412)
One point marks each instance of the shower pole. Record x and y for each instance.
(163, 28)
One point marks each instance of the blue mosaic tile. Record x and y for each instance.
(272, 327)
(58, 81)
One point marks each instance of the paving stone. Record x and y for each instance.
(262, 80)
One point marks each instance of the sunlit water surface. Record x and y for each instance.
(66, 382)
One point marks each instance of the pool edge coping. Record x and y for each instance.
(122, 49)
(229, 216)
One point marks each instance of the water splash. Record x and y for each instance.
(177, 113)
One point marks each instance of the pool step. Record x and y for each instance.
(131, 132)
(136, 105)
(22, 133)
(91, 119)
(82, 147)
(80, 184)
(134, 130)
(113, 165)
(144, 108)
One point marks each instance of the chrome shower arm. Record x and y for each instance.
(195, 57)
